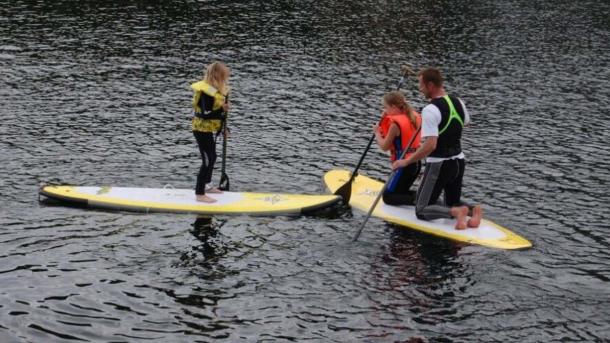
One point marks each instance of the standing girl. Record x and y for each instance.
(210, 103)
(398, 126)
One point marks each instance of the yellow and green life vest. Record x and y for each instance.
(207, 107)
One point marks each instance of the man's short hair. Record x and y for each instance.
(432, 75)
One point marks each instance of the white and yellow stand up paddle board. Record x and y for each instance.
(365, 190)
(183, 200)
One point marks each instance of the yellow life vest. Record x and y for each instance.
(200, 122)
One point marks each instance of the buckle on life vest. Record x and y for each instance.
(211, 115)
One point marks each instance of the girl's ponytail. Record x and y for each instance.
(395, 98)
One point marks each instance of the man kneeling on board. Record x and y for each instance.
(442, 123)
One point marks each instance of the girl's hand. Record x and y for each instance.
(376, 128)
(226, 107)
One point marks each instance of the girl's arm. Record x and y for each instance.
(385, 143)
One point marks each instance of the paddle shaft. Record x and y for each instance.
(368, 146)
(224, 178)
(385, 185)
(224, 151)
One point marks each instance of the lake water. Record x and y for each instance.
(97, 93)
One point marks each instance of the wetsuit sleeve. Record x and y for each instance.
(431, 118)
(195, 102)
(466, 114)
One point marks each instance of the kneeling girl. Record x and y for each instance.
(397, 128)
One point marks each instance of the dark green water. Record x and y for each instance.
(97, 93)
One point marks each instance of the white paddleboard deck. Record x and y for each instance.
(183, 200)
(365, 191)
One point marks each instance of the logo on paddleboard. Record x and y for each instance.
(103, 190)
(273, 199)
(369, 193)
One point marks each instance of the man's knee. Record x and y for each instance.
(419, 213)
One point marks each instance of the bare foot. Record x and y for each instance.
(205, 198)
(477, 215)
(213, 190)
(460, 214)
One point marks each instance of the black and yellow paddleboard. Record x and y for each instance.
(183, 200)
(365, 190)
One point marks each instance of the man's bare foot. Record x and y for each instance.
(213, 190)
(205, 198)
(460, 214)
(477, 215)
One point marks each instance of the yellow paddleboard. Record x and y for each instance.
(365, 190)
(183, 200)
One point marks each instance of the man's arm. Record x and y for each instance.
(422, 152)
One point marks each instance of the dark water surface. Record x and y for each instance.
(97, 93)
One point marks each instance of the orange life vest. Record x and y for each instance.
(406, 132)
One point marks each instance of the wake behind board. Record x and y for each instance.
(365, 190)
(183, 200)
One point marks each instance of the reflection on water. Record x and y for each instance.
(206, 231)
(416, 274)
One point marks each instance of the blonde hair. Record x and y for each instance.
(217, 75)
(395, 98)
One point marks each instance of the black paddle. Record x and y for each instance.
(345, 191)
(224, 184)
(385, 185)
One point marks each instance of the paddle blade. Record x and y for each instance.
(345, 191)
(224, 184)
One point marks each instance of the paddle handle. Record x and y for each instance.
(385, 185)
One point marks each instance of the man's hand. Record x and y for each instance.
(399, 164)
